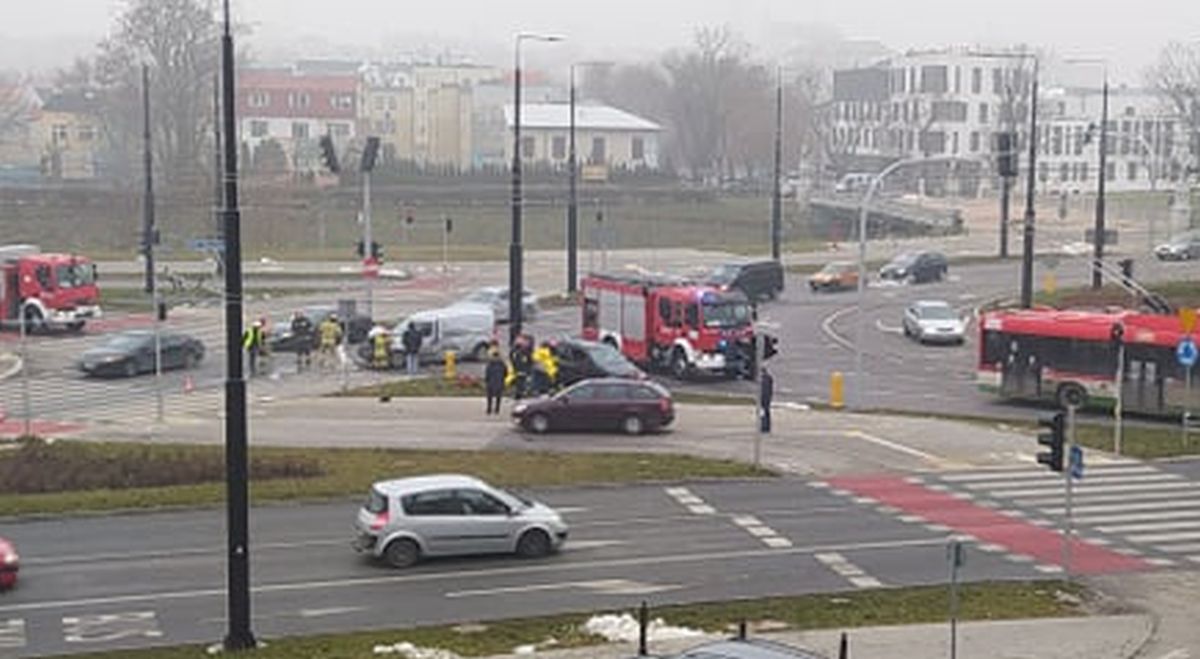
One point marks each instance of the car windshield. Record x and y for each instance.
(609, 359)
(482, 296)
(936, 312)
(75, 275)
(904, 260)
(726, 314)
(124, 342)
(835, 268)
(514, 497)
(723, 274)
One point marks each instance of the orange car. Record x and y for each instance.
(836, 276)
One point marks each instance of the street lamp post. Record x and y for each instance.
(573, 201)
(776, 191)
(1030, 190)
(516, 285)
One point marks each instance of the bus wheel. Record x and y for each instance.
(1071, 395)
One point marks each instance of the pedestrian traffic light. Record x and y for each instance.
(1006, 156)
(329, 154)
(449, 225)
(358, 248)
(770, 346)
(1053, 440)
(370, 151)
(376, 251)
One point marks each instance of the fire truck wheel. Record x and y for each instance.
(75, 327)
(679, 365)
(632, 425)
(34, 322)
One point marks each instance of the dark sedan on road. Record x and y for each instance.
(131, 353)
(582, 360)
(602, 404)
(916, 267)
(283, 340)
(10, 563)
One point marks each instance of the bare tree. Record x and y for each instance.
(1176, 77)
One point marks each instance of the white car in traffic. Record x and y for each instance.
(934, 321)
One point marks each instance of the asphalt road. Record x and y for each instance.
(108, 583)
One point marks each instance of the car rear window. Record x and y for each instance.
(377, 502)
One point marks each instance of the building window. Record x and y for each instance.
(299, 130)
(1131, 170)
(1110, 171)
(379, 103)
(298, 99)
(258, 128)
(558, 148)
(934, 80)
(974, 142)
(983, 112)
(338, 129)
(976, 80)
(638, 148)
(1057, 141)
(997, 81)
(952, 111)
(1064, 172)
(957, 80)
(598, 150)
(259, 99)
(1084, 174)
(341, 101)
(86, 133)
(527, 148)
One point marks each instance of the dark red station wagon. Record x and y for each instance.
(634, 406)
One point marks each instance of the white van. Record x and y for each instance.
(465, 329)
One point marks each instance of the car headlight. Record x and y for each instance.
(520, 409)
(11, 558)
(112, 358)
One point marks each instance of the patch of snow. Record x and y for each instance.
(624, 629)
(407, 650)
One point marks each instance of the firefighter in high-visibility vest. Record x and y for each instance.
(381, 347)
(545, 369)
(253, 341)
(330, 332)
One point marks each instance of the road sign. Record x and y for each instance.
(1185, 352)
(206, 244)
(1077, 462)
(1187, 319)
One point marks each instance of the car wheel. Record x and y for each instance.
(479, 353)
(1071, 394)
(533, 544)
(679, 365)
(813, 287)
(402, 553)
(75, 327)
(131, 369)
(907, 332)
(539, 423)
(633, 425)
(190, 359)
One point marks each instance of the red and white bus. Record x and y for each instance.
(1070, 356)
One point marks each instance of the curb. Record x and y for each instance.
(16, 367)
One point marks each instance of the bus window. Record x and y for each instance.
(591, 313)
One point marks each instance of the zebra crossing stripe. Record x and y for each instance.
(1136, 517)
(1023, 473)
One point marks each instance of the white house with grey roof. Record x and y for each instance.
(604, 135)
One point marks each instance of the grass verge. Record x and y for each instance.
(890, 606)
(1184, 293)
(349, 472)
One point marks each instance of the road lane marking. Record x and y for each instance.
(1088, 500)
(107, 627)
(1088, 484)
(359, 582)
(600, 586)
(689, 500)
(12, 634)
(330, 611)
(901, 448)
(843, 567)
(827, 327)
(1132, 507)
(1084, 493)
(1136, 517)
(888, 329)
(1164, 537)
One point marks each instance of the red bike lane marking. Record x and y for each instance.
(42, 428)
(987, 525)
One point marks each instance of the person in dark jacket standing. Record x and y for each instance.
(522, 362)
(766, 392)
(412, 348)
(493, 380)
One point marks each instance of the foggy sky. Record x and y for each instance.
(1128, 34)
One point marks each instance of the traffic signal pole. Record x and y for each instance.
(1069, 528)
(368, 245)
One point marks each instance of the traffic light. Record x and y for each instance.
(1054, 440)
(358, 248)
(449, 225)
(1006, 154)
(329, 154)
(770, 346)
(376, 251)
(408, 218)
(370, 151)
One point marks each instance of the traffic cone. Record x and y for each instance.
(188, 385)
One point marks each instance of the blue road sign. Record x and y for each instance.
(1186, 352)
(206, 244)
(1077, 462)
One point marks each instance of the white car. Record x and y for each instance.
(496, 297)
(407, 519)
(934, 321)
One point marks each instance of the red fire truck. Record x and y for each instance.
(666, 324)
(53, 291)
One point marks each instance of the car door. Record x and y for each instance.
(436, 518)
(173, 351)
(488, 526)
(577, 408)
(614, 404)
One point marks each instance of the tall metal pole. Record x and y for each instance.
(1005, 195)
(26, 405)
(515, 265)
(239, 635)
(368, 238)
(149, 239)
(1098, 241)
(218, 218)
(776, 192)
(573, 201)
(1030, 213)
(1069, 529)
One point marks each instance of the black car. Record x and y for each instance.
(760, 280)
(131, 353)
(281, 338)
(581, 360)
(916, 267)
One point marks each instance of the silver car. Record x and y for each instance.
(407, 519)
(496, 297)
(933, 321)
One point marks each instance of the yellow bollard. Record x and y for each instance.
(451, 364)
(837, 390)
(1049, 283)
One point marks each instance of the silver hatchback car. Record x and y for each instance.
(407, 519)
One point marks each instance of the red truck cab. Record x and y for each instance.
(52, 291)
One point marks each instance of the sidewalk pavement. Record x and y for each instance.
(10, 365)
(1100, 637)
(804, 442)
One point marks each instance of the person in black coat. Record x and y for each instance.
(766, 393)
(493, 380)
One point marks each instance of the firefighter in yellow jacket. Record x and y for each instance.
(545, 369)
